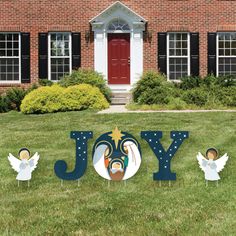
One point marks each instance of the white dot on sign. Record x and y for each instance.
(180, 139)
(155, 134)
(179, 133)
(77, 138)
(165, 166)
(81, 132)
(170, 155)
(84, 137)
(150, 140)
(84, 152)
(79, 155)
(83, 143)
(185, 135)
(175, 147)
(160, 151)
(154, 148)
(145, 134)
(170, 149)
(79, 147)
(166, 160)
(161, 158)
(156, 141)
(83, 159)
(174, 135)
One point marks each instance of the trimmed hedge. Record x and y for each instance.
(86, 76)
(152, 88)
(192, 92)
(55, 98)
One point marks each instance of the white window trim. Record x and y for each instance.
(19, 57)
(168, 55)
(217, 52)
(49, 53)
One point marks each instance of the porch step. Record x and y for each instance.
(120, 98)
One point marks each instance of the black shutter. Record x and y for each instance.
(162, 49)
(212, 53)
(43, 55)
(25, 57)
(194, 54)
(76, 50)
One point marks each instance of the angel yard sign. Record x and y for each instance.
(25, 165)
(210, 165)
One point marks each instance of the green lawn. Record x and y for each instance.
(141, 207)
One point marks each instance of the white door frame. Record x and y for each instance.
(137, 26)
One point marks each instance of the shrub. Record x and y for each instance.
(56, 98)
(158, 95)
(3, 104)
(14, 97)
(86, 76)
(152, 88)
(226, 81)
(45, 82)
(227, 96)
(197, 96)
(177, 104)
(190, 82)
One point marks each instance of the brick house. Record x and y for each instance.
(47, 39)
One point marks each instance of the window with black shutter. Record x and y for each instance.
(212, 53)
(76, 50)
(162, 49)
(25, 57)
(194, 54)
(43, 55)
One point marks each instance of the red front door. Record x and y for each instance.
(118, 58)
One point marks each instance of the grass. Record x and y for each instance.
(179, 105)
(141, 207)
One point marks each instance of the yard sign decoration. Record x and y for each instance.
(210, 166)
(117, 155)
(164, 157)
(25, 165)
(81, 138)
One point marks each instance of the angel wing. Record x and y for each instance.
(201, 159)
(220, 163)
(15, 162)
(34, 160)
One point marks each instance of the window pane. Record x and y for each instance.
(2, 53)
(2, 45)
(178, 68)
(2, 37)
(118, 24)
(9, 69)
(227, 66)
(179, 42)
(227, 44)
(59, 68)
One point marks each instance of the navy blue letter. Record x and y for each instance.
(60, 167)
(164, 157)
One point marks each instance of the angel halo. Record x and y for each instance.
(210, 166)
(25, 165)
